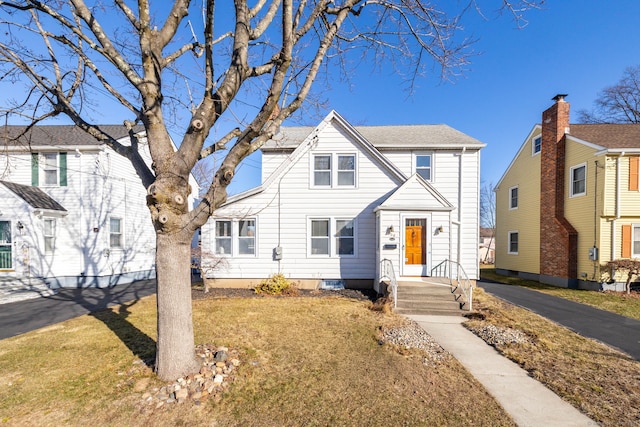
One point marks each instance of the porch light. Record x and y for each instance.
(20, 225)
(390, 230)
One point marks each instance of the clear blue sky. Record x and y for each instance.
(570, 46)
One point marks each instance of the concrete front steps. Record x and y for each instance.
(428, 296)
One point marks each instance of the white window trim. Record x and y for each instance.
(571, 193)
(42, 169)
(633, 229)
(333, 253)
(414, 166)
(235, 237)
(511, 207)
(509, 242)
(53, 235)
(533, 146)
(122, 242)
(333, 171)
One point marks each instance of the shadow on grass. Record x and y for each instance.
(140, 344)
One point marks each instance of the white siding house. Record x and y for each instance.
(337, 200)
(73, 212)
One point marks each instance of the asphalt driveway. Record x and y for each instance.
(23, 316)
(612, 329)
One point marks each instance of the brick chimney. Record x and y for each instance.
(558, 238)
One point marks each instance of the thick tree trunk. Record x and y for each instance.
(175, 354)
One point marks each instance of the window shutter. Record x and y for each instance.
(626, 241)
(633, 173)
(63, 169)
(34, 169)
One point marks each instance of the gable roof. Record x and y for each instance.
(403, 198)
(34, 196)
(58, 135)
(306, 144)
(386, 137)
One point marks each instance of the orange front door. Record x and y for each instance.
(415, 242)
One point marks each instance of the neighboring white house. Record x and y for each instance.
(336, 200)
(73, 212)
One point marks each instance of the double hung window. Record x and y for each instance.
(333, 170)
(423, 166)
(578, 176)
(49, 235)
(513, 242)
(115, 233)
(513, 197)
(235, 237)
(332, 237)
(537, 145)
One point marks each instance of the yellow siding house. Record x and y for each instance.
(569, 202)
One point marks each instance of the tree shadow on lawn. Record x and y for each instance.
(140, 344)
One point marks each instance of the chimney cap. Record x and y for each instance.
(560, 97)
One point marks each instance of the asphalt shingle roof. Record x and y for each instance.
(385, 137)
(608, 135)
(34, 196)
(56, 135)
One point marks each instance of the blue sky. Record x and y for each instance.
(570, 46)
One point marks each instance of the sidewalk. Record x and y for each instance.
(529, 403)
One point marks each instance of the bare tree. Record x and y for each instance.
(168, 71)
(619, 103)
(488, 211)
(627, 268)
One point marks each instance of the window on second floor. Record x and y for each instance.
(333, 170)
(578, 180)
(424, 166)
(513, 197)
(537, 145)
(513, 243)
(49, 169)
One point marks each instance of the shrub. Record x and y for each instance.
(276, 285)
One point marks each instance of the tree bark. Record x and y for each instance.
(175, 354)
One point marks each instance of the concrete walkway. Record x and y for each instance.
(529, 403)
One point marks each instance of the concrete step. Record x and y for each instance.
(428, 298)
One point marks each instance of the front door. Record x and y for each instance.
(6, 257)
(415, 247)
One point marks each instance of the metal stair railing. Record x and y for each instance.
(388, 273)
(452, 270)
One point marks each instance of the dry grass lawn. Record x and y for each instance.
(305, 361)
(601, 382)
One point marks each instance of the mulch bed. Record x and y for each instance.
(197, 292)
